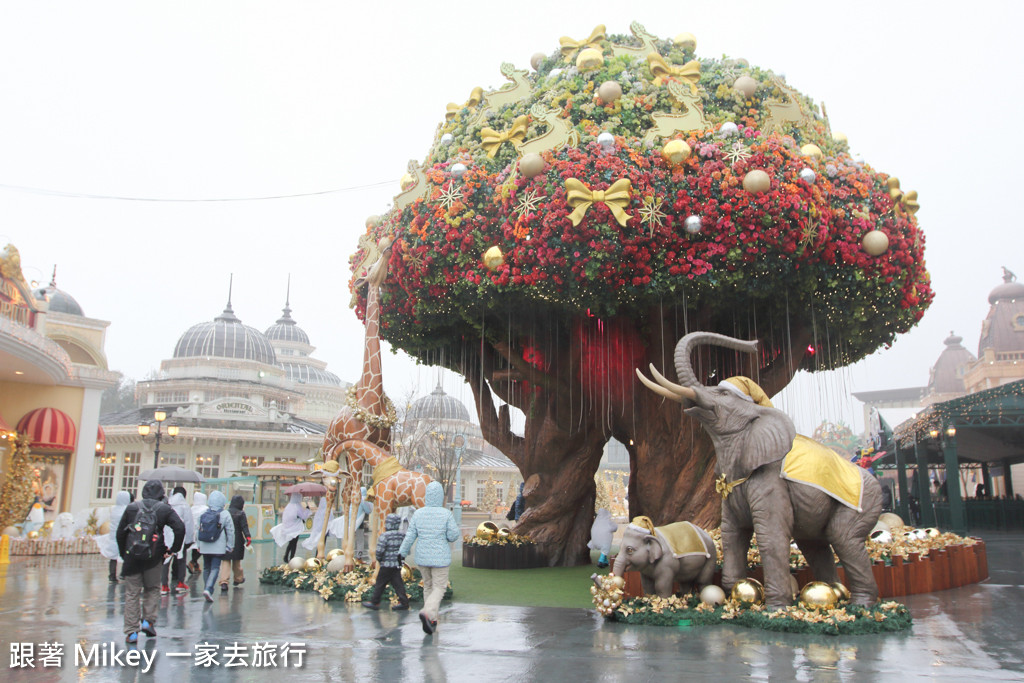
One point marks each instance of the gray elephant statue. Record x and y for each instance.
(775, 483)
(679, 552)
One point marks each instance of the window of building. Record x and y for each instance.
(171, 397)
(172, 459)
(105, 477)
(249, 461)
(208, 466)
(130, 471)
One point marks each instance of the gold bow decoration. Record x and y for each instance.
(660, 69)
(570, 46)
(905, 203)
(616, 197)
(724, 487)
(475, 98)
(492, 139)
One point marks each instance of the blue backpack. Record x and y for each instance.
(209, 526)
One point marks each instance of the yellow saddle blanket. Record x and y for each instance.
(683, 539)
(811, 463)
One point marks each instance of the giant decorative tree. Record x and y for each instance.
(573, 225)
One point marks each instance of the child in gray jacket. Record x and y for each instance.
(390, 569)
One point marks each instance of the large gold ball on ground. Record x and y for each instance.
(748, 592)
(675, 151)
(296, 563)
(712, 595)
(333, 553)
(589, 59)
(493, 259)
(531, 164)
(687, 41)
(818, 595)
(892, 519)
(313, 564)
(875, 243)
(757, 181)
(486, 530)
(842, 592)
(406, 573)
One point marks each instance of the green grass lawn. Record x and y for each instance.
(547, 587)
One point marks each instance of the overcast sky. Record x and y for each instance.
(115, 118)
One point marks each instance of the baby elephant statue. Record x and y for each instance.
(775, 483)
(666, 554)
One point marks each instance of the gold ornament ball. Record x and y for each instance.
(504, 532)
(104, 528)
(493, 259)
(531, 164)
(486, 530)
(748, 592)
(811, 150)
(840, 138)
(296, 563)
(313, 564)
(406, 573)
(891, 519)
(334, 552)
(757, 181)
(406, 182)
(842, 592)
(687, 41)
(712, 595)
(618, 582)
(589, 59)
(537, 59)
(375, 220)
(609, 91)
(675, 151)
(875, 243)
(817, 595)
(746, 86)
(33, 534)
(932, 532)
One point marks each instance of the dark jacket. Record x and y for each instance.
(241, 522)
(153, 492)
(390, 542)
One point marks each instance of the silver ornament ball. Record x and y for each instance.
(606, 140)
(692, 224)
(728, 129)
(447, 138)
(807, 175)
(458, 170)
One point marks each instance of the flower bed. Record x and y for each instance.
(353, 586)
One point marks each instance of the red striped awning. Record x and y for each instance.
(101, 440)
(5, 428)
(49, 429)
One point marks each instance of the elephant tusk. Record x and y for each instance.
(678, 389)
(657, 388)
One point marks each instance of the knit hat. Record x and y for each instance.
(747, 389)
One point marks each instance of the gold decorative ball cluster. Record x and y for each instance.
(366, 417)
(608, 597)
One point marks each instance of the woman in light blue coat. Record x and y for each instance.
(433, 530)
(213, 551)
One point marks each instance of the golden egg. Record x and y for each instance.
(313, 564)
(757, 181)
(687, 41)
(675, 151)
(334, 552)
(842, 592)
(493, 259)
(811, 150)
(504, 532)
(818, 595)
(589, 59)
(486, 530)
(932, 532)
(748, 592)
(406, 181)
(406, 573)
(875, 243)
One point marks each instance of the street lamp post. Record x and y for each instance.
(159, 417)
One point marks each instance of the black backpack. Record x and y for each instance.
(143, 534)
(209, 526)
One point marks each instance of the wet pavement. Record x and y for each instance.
(970, 633)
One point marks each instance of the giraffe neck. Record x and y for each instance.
(370, 389)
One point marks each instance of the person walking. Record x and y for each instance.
(432, 529)
(233, 559)
(291, 526)
(175, 569)
(140, 540)
(198, 508)
(216, 536)
(390, 565)
(107, 542)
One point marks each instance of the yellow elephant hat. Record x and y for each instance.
(748, 389)
(642, 524)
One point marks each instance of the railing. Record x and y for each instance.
(1000, 515)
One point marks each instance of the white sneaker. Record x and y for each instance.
(206, 594)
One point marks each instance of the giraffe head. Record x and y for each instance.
(379, 270)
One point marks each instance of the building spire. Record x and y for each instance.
(53, 279)
(228, 315)
(286, 317)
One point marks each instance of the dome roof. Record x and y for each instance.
(438, 406)
(947, 376)
(59, 300)
(225, 337)
(286, 330)
(1009, 290)
(308, 374)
